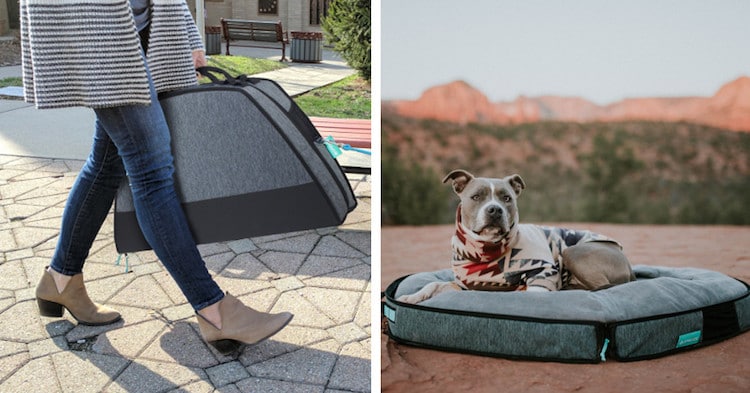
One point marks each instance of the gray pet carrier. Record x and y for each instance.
(248, 162)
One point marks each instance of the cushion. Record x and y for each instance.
(666, 310)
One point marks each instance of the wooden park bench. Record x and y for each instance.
(353, 132)
(356, 133)
(253, 33)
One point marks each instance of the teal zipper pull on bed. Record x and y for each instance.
(603, 353)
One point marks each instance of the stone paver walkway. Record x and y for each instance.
(322, 276)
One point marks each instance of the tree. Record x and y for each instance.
(347, 26)
(610, 162)
(411, 193)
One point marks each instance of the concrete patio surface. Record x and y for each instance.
(322, 276)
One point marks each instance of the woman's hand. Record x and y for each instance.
(199, 59)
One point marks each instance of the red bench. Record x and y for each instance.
(353, 132)
(356, 133)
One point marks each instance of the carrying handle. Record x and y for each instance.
(208, 71)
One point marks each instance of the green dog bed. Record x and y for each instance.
(666, 310)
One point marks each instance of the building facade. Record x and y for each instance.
(295, 15)
(8, 16)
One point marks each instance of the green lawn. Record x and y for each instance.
(348, 98)
(240, 65)
(11, 82)
(6, 82)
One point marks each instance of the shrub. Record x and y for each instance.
(608, 167)
(412, 194)
(347, 27)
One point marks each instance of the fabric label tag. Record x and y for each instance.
(688, 339)
(389, 313)
(332, 147)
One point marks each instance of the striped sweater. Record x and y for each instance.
(87, 53)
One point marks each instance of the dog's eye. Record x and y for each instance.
(476, 197)
(507, 198)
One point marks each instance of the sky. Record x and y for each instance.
(601, 50)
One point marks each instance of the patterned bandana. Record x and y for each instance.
(467, 246)
(474, 257)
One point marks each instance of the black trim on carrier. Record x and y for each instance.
(222, 217)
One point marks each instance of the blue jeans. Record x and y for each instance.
(134, 139)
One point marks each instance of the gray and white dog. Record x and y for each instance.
(492, 251)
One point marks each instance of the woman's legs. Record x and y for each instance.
(134, 139)
(142, 138)
(87, 207)
(88, 204)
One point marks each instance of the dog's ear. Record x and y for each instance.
(516, 182)
(460, 179)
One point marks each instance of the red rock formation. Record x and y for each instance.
(567, 108)
(730, 106)
(522, 110)
(654, 108)
(459, 102)
(456, 102)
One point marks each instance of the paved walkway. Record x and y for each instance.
(322, 276)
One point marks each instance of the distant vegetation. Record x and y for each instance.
(628, 172)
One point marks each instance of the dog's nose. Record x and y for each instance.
(495, 211)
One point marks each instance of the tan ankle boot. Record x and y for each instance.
(240, 324)
(75, 299)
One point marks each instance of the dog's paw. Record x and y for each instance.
(537, 289)
(411, 299)
(429, 290)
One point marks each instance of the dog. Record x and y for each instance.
(493, 252)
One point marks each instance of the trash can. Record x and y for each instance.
(213, 40)
(307, 47)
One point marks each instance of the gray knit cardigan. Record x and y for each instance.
(87, 53)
